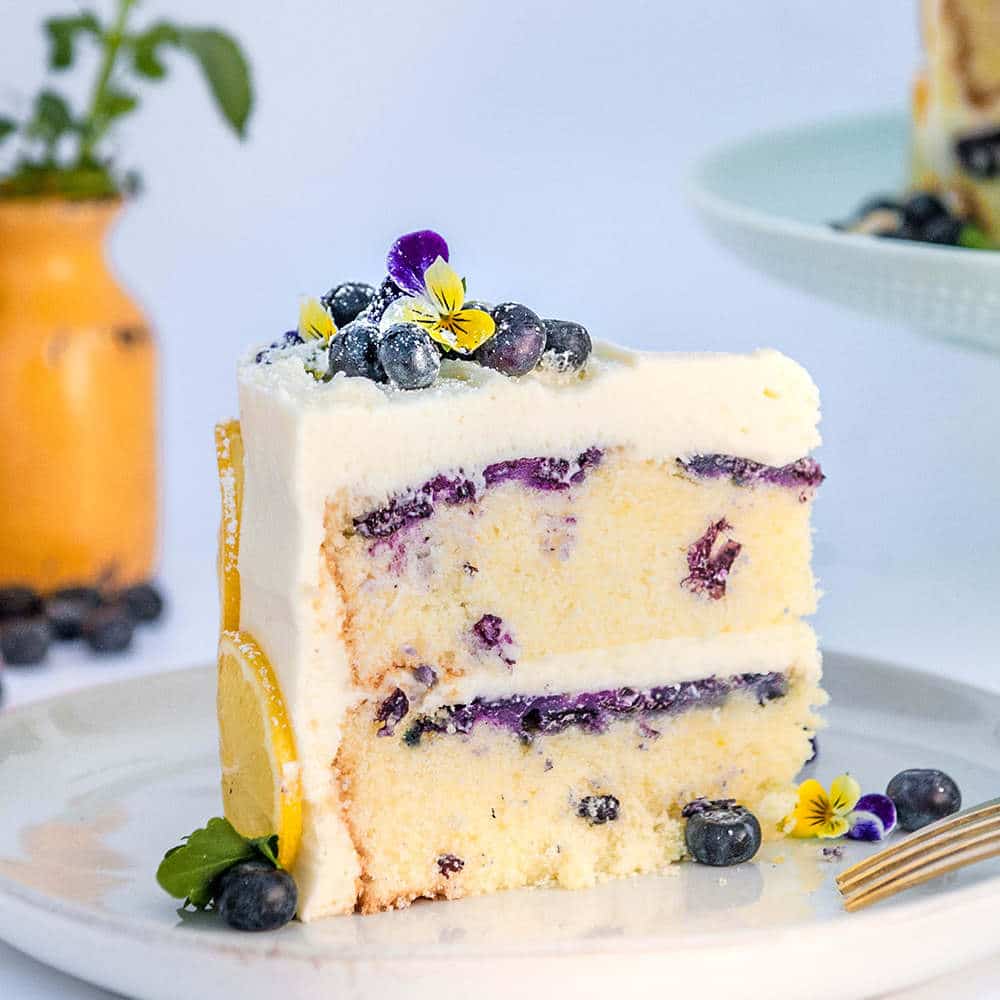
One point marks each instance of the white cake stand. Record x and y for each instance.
(770, 199)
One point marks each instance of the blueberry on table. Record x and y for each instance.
(946, 230)
(257, 899)
(567, 345)
(922, 206)
(109, 629)
(354, 351)
(25, 641)
(722, 833)
(18, 602)
(922, 795)
(347, 301)
(66, 610)
(144, 602)
(598, 809)
(408, 356)
(517, 345)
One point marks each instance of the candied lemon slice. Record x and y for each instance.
(229, 455)
(261, 788)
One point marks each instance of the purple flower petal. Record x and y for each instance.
(411, 255)
(865, 826)
(882, 806)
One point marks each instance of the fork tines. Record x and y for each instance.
(941, 847)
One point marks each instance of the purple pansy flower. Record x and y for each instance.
(411, 255)
(873, 818)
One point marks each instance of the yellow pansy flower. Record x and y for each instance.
(821, 814)
(315, 323)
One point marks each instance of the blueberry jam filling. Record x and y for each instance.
(449, 865)
(391, 711)
(451, 490)
(492, 634)
(805, 474)
(598, 809)
(529, 716)
(708, 571)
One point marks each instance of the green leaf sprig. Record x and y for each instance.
(62, 152)
(189, 870)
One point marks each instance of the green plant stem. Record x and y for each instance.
(112, 44)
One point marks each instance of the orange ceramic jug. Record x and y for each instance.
(78, 404)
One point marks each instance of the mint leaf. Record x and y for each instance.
(63, 32)
(268, 846)
(188, 870)
(974, 238)
(226, 71)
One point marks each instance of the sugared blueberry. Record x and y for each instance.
(144, 602)
(408, 356)
(722, 833)
(384, 296)
(567, 345)
(922, 795)
(25, 641)
(18, 602)
(922, 206)
(109, 628)
(945, 229)
(258, 864)
(66, 610)
(517, 345)
(257, 899)
(598, 809)
(354, 351)
(477, 304)
(347, 301)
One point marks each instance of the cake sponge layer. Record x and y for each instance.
(461, 815)
(636, 550)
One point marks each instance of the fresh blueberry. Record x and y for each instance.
(946, 230)
(258, 899)
(567, 345)
(922, 206)
(347, 301)
(598, 809)
(109, 628)
(408, 356)
(66, 610)
(384, 296)
(517, 345)
(722, 833)
(290, 338)
(234, 872)
(354, 351)
(18, 602)
(478, 304)
(25, 641)
(922, 795)
(979, 153)
(144, 602)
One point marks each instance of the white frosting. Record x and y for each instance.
(306, 441)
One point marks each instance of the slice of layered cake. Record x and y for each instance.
(522, 600)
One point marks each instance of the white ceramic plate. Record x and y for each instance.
(96, 785)
(769, 199)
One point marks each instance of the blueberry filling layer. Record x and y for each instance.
(531, 715)
(551, 474)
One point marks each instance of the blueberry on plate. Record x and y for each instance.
(257, 899)
(25, 641)
(408, 356)
(347, 301)
(66, 610)
(18, 602)
(354, 351)
(922, 206)
(109, 628)
(598, 809)
(144, 602)
(567, 345)
(946, 230)
(517, 345)
(922, 795)
(721, 833)
(222, 881)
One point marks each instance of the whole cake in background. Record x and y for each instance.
(502, 606)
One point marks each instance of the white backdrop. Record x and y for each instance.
(549, 141)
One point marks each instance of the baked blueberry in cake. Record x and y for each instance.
(518, 596)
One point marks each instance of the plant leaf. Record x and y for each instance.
(63, 32)
(50, 119)
(226, 71)
(7, 127)
(147, 46)
(268, 846)
(188, 871)
(115, 103)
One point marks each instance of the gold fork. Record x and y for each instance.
(945, 846)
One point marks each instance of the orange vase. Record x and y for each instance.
(78, 404)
